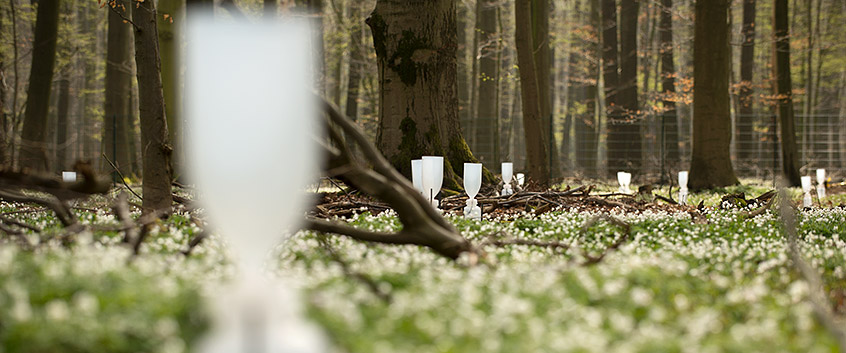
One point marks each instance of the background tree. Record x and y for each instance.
(169, 22)
(415, 46)
(117, 119)
(784, 92)
(710, 164)
(156, 151)
(745, 116)
(487, 132)
(536, 143)
(610, 64)
(34, 144)
(669, 118)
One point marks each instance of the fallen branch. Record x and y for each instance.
(422, 225)
(819, 302)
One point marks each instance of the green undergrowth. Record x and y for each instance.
(722, 284)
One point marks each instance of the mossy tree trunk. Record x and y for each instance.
(415, 46)
(710, 165)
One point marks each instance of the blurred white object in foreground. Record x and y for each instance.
(250, 141)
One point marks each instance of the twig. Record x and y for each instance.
(361, 277)
(8, 220)
(123, 17)
(593, 260)
(122, 179)
(758, 211)
(60, 208)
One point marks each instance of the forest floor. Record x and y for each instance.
(715, 275)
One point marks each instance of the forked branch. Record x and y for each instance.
(422, 225)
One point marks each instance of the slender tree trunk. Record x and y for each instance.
(746, 115)
(356, 62)
(784, 92)
(710, 165)
(155, 149)
(169, 20)
(486, 108)
(536, 143)
(464, 78)
(610, 62)
(34, 144)
(116, 133)
(62, 125)
(670, 119)
(543, 74)
(415, 46)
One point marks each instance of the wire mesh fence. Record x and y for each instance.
(657, 146)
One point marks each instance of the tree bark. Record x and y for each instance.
(486, 108)
(670, 124)
(117, 118)
(415, 46)
(584, 77)
(536, 146)
(784, 93)
(155, 149)
(710, 165)
(356, 62)
(543, 69)
(610, 62)
(170, 16)
(62, 118)
(34, 144)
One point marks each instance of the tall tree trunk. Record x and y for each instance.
(543, 74)
(624, 150)
(62, 118)
(610, 62)
(117, 119)
(536, 143)
(745, 117)
(33, 152)
(464, 78)
(784, 94)
(415, 46)
(584, 76)
(710, 165)
(169, 20)
(486, 107)
(670, 119)
(154, 145)
(356, 62)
